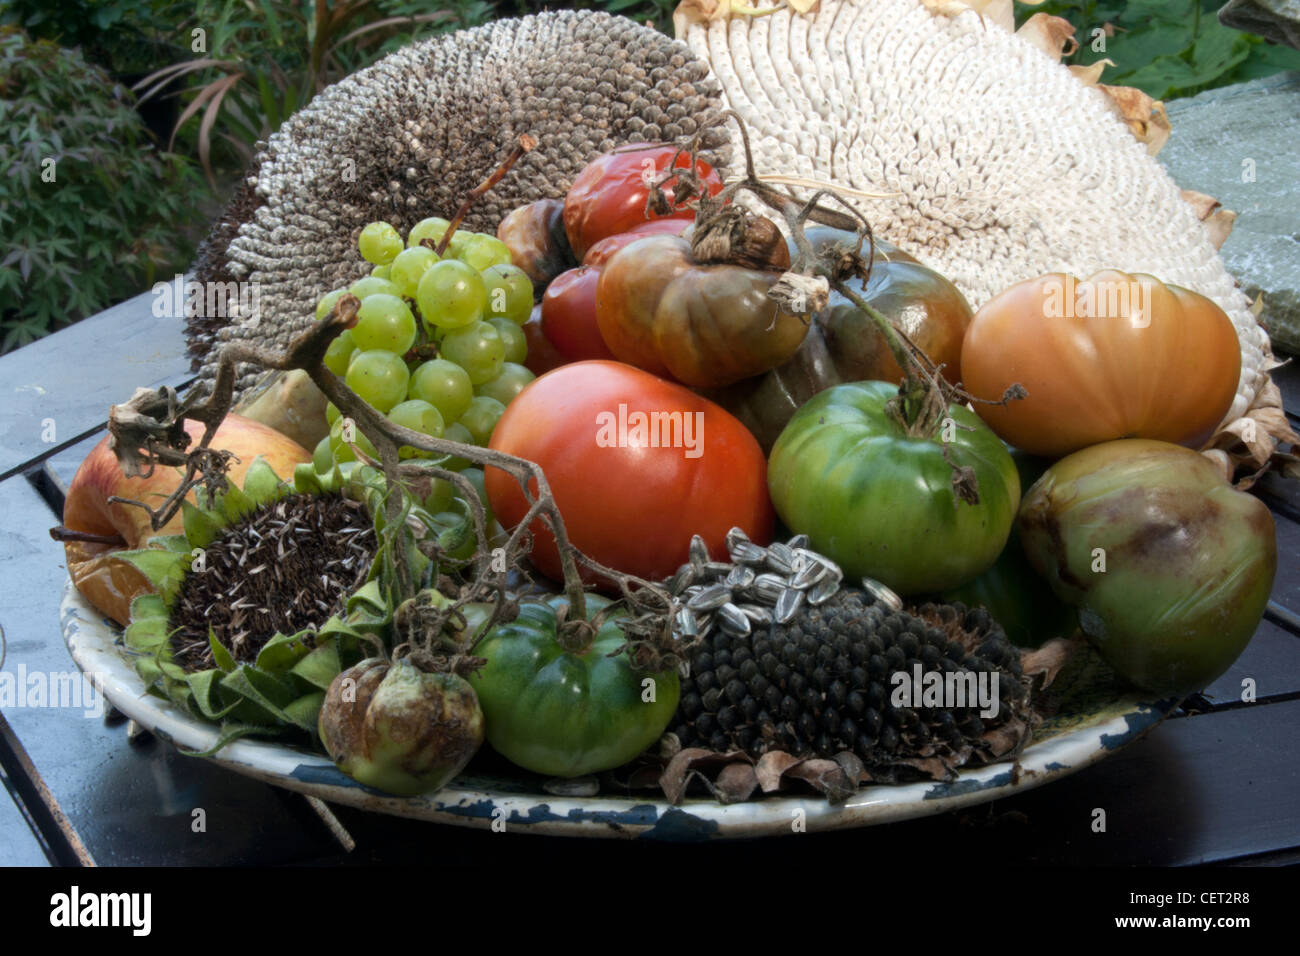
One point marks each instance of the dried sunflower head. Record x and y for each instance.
(268, 594)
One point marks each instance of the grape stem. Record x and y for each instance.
(526, 144)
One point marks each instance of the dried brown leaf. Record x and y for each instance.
(825, 776)
(1042, 664)
(771, 768)
(1053, 35)
(1146, 117)
(735, 783)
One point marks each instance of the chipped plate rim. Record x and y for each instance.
(480, 800)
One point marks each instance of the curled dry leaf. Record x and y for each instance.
(1146, 117)
(1251, 442)
(1053, 35)
(1042, 664)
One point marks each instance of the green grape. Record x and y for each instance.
(512, 336)
(482, 252)
(458, 433)
(341, 450)
(370, 285)
(327, 302)
(381, 272)
(332, 413)
(418, 416)
(340, 353)
(380, 378)
(507, 385)
(435, 227)
(379, 243)
(481, 417)
(460, 240)
(322, 459)
(384, 322)
(451, 295)
(510, 293)
(444, 385)
(407, 268)
(477, 349)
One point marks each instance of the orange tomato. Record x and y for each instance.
(1112, 356)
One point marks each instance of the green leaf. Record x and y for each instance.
(305, 711)
(155, 564)
(261, 483)
(235, 505)
(200, 526)
(281, 652)
(320, 667)
(203, 685)
(220, 654)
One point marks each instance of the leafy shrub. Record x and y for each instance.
(90, 211)
(250, 66)
(1166, 48)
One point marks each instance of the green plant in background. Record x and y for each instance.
(254, 63)
(90, 211)
(1166, 48)
(123, 36)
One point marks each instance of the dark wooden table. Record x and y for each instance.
(1218, 782)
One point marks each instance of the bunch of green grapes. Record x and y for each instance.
(438, 346)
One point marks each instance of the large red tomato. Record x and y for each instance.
(609, 195)
(637, 466)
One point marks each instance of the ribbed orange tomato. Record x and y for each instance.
(1111, 356)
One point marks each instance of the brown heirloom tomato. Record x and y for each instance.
(844, 345)
(705, 325)
(1112, 356)
(534, 234)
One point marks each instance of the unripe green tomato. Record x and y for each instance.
(1170, 566)
(567, 714)
(880, 502)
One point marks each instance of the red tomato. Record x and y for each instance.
(609, 195)
(599, 253)
(569, 315)
(542, 355)
(637, 465)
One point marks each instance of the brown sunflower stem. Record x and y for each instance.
(526, 144)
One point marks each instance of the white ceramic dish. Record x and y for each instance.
(1064, 745)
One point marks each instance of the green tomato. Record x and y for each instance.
(880, 502)
(565, 714)
(1170, 566)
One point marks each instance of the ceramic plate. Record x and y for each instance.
(1079, 736)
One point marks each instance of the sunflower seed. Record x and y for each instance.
(823, 591)
(717, 568)
(787, 605)
(699, 551)
(734, 537)
(684, 577)
(710, 598)
(768, 587)
(740, 577)
(779, 558)
(687, 624)
(759, 615)
(831, 567)
(806, 573)
(882, 593)
(798, 542)
(733, 620)
(746, 552)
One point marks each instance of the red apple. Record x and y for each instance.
(109, 583)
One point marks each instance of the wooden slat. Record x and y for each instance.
(70, 379)
(129, 805)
